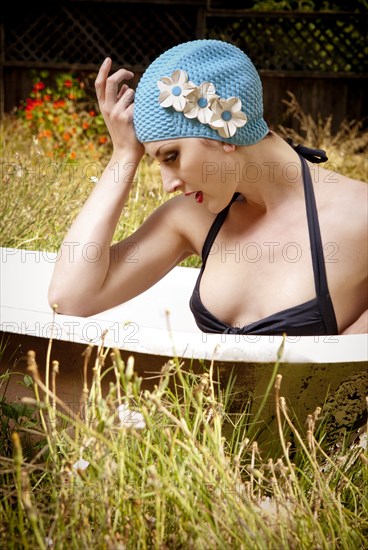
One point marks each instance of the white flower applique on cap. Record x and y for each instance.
(201, 102)
(173, 90)
(227, 116)
(198, 102)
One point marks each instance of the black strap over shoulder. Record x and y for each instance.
(215, 228)
(313, 155)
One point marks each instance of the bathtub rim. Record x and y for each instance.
(124, 332)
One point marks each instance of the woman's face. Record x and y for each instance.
(201, 169)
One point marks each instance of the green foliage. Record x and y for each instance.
(298, 43)
(309, 5)
(287, 5)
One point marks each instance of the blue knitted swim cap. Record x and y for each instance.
(193, 90)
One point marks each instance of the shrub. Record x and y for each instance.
(62, 118)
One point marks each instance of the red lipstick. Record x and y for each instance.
(199, 196)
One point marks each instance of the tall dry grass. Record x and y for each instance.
(41, 195)
(170, 468)
(346, 149)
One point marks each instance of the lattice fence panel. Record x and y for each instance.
(298, 42)
(132, 34)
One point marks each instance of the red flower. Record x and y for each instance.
(32, 103)
(38, 86)
(59, 103)
(68, 83)
(45, 134)
(92, 113)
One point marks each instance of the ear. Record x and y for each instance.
(228, 147)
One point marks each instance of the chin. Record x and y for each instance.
(215, 207)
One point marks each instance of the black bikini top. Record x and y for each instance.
(314, 317)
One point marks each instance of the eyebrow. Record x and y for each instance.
(157, 153)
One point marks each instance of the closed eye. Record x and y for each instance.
(171, 157)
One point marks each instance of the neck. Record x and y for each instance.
(271, 171)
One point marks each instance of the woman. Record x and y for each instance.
(281, 250)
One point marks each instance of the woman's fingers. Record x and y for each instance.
(126, 99)
(125, 96)
(123, 89)
(116, 103)
(112, 85)
(107, 87)
(100, 82)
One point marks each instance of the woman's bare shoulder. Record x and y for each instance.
(353, 185)
(353, 201)
(340, 190)
(344, 214)
(342, 205)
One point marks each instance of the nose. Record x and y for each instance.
(170, 182)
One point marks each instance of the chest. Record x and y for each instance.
(259, 267)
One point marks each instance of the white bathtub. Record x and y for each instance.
(158, 325)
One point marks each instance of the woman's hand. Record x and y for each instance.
(117, 110)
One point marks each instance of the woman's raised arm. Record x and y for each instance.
(90, 275)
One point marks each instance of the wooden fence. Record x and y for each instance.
(319, 57)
